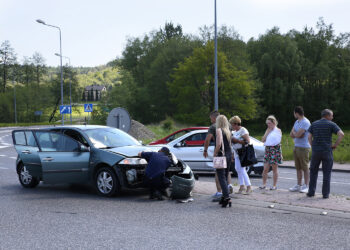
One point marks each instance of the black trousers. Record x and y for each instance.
(158, 183)
(327, 164)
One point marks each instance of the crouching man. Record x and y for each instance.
(155, 180)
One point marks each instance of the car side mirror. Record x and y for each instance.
(177, 145)
(84, 148)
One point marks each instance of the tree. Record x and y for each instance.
(193, 83)
(7, 58)
(278, 64)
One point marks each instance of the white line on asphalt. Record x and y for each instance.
(13, 157)
(2, 155)
(332, 182)
(4, 147)
(3, 168)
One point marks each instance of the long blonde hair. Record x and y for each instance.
(222, 122)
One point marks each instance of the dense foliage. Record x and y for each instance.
(167, 73)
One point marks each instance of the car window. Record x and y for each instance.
(30, 139)
(20, 138)
(50, 141)
(177, 135)
(110, 138)
(76, 136)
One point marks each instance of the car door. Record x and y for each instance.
(27, 150)
(190, 149)
(61, 158)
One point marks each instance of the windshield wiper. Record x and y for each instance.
(106, 147)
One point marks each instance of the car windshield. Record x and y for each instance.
(110, 138)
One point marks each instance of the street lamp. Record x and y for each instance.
(216, 65)
(42, 22)
(70, 87)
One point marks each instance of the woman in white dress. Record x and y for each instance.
(240, 136)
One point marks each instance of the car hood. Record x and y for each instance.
(132, 151)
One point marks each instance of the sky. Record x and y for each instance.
(95, 32)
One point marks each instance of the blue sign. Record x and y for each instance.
(88, 107)
(38, 113)
(65, 109)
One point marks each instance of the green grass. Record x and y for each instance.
(341, 154)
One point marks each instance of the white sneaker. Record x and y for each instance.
(230, 188)
(304, 189)
(296, 188)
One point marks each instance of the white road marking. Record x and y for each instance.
(332, 182)
(4, 147)
(2, 155)
(13, 157)
(3, 168)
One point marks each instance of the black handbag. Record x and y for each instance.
(247, 155)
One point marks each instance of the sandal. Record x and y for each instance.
(273, 188)
(262, 187)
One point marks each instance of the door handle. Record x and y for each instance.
(27, 152)
(48, 159)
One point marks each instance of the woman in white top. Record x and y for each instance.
(273, 153)
(240, 136)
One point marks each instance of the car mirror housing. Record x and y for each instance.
(84, 148)
(177, 145)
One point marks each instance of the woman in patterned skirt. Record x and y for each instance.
(273, 153)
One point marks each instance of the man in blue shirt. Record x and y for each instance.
(158, 163)
(320, 138)
(301, 150)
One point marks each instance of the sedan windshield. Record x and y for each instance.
(110, 138)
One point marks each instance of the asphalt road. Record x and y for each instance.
(65, 216)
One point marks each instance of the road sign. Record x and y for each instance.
(65, 109)
(38, 113)
(88, 107)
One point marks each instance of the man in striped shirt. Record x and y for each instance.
(320, 138)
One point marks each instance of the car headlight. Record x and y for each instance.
(133, 161)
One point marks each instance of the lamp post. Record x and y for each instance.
(42, 22)
(216, 102)
(14, 98)
(70, 86)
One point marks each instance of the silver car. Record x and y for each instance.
(189, 148)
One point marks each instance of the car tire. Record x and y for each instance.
(106, 182)
(25, 178)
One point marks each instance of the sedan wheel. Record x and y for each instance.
(26, 179)
(106, 182)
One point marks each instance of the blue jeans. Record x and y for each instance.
(327, 164)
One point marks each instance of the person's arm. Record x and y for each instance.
(340, 135)
(206, 144)
(265, 135)
(310, 139)
(218, 142)
(292, 133)
(300, 133)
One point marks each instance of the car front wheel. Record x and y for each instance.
(106, 182)
(25, 178)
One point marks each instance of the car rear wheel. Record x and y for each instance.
(106, 182)
(25, 178)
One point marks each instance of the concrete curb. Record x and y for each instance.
(333, 170)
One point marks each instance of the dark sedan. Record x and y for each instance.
(102, 156)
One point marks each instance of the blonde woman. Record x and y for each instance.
(240, 136)
(223, 136)
(273, 153)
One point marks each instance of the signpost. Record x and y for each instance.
(65, 109)
(88, 107)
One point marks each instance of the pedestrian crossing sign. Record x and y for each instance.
(88, 107)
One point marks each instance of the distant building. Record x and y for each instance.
(93, 92)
